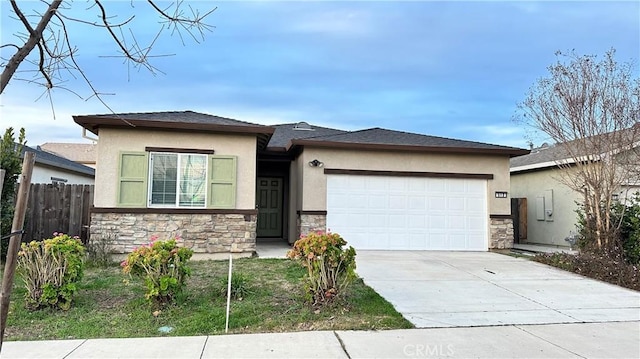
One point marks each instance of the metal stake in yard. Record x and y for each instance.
(14, 241)
(226, 326)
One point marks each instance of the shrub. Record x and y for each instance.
(625, 238)
(12, 164)
(239, 286)
(330, 267)
(99, 250)
(163, 265)
(51, 270)
(629, 234)
(608, 266)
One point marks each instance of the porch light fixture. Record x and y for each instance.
(500, 194)
(316, 163)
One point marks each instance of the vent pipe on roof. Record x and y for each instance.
(302, 126)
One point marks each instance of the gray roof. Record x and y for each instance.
(286, 132)
(384, 137)
(172, 120)
(544, 154)
(49, 159)
(282, 137)
(549, 155)
(176, 117)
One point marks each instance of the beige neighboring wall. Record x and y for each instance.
(537, 184)
(314, 181)
(112, 141)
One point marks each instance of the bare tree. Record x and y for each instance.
(590, 108)
(46, 56)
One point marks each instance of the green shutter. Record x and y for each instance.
(132, 179)
(222, 181)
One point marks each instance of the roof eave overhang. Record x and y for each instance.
(93, 125)
(511, 152)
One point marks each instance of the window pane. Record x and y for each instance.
(164, 178)
(193, 179)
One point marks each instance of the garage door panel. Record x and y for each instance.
(437, 222)
(456, 204)
(456, 186)
(437, 203)
(418, 185)
(417, 221)
(378, 200)
(408, 213)
(397, 201)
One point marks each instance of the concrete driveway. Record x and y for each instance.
(465, 289)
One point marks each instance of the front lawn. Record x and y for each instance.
(109, 304)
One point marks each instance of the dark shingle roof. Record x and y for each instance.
(282, 137)
(389, 139)
(49, 159)
(172, 119)
(286, 132)
(175, 120)
(177, 117)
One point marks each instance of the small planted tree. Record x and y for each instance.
(590, 108)
(330, 266)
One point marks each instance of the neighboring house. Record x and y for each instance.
(50, 168)
(550, 204)
(83, 153)
(220, 183)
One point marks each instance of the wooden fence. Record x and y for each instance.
(58, 208)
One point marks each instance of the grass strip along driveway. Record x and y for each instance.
(109, 304)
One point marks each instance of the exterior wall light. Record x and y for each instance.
(316, 163)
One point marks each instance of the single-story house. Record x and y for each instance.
(83, 153)
(548, 206)
(221, 184)
(51, 168)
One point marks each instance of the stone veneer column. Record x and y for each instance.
(311, 223)
(204, 233)
(501, 233)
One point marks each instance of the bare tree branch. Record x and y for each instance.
(55, 59)
(34, 37)
(590, 108)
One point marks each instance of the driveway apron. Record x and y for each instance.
(466, 289)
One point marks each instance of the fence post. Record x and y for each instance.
(14, 241)
(2, 173)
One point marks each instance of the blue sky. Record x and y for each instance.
(452, 69)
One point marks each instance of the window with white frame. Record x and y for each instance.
(177, 180)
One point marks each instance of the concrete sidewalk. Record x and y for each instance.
(587, 340)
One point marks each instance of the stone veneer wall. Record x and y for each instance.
(501, 233)
(311, 223)
(204, 233)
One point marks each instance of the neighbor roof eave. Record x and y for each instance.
(415, 148)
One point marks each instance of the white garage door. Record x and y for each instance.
(408, 213)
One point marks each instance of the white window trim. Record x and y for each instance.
(177, 202)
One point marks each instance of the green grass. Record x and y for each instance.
(110, 304)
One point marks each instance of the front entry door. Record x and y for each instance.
(269, 201)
